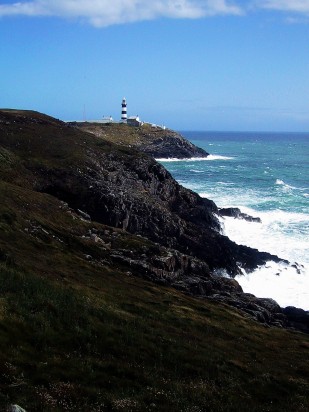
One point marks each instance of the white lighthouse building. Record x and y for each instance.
(124, 115)
(131, 120)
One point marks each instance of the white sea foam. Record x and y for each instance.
(196, 171)
(175, 159)
(226, 184)
(223, 198)
(195, 159)
(218, 157)
(204, 194)
(283, 284)
(284, 185)
(279, 234)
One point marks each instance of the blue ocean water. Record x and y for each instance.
(265, 175)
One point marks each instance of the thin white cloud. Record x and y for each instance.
(101, 13)
(295, 6)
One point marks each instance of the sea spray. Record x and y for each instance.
(277, 234)
(195, 159)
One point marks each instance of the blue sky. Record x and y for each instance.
(187, 64)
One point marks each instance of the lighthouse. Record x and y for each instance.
(124, 110)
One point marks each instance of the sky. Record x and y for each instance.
(226, 65)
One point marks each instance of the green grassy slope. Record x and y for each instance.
(78, 332)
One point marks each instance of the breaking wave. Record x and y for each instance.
(194, 159)
(280, 233)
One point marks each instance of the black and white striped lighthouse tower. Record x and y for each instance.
(124, 110)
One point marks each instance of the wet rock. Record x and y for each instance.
(237, 214)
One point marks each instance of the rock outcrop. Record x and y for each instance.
(169, 267)
(236, 213)
(170, 145)
(297, 318)
(136, 194)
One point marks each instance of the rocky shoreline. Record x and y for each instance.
(116, 185)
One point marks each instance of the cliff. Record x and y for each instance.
(93, 236)
(154, 141)
(120, 187)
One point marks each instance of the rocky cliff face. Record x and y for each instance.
(117, 186)
(128, 190)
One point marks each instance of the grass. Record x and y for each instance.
(132, 345)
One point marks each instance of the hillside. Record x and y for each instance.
(97, 245)
(154, 141)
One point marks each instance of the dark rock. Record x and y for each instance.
(171, 145)
(237, 214)
(297, 318)
(140, 196)
(266, 311)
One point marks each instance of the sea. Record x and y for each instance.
(266, 175)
